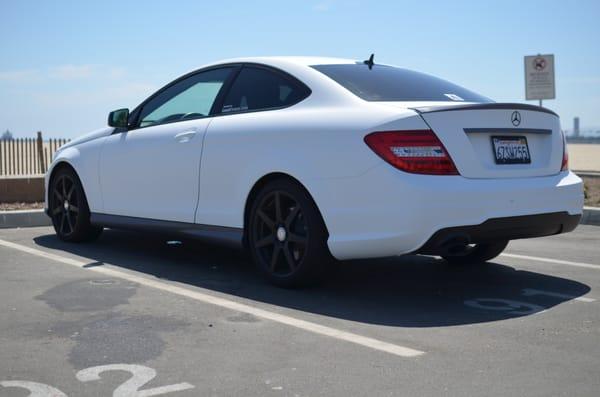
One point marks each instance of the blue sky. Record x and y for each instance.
(64, 65)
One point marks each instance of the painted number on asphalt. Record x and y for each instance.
(519, 307)
(35, 389)
(510, 306)
(140, 375)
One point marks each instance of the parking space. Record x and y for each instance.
(193, 319)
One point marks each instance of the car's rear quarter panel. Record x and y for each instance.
(311, 144)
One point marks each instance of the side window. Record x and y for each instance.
(187, 99)
(257, 88)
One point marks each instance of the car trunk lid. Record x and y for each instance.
(496, 140)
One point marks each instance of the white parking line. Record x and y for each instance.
(229, 304)
(550, 260)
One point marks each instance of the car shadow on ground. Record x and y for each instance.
(409, 291)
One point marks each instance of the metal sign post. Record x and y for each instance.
(539, 77)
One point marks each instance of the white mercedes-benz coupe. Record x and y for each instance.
(303, 159)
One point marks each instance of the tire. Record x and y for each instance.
(69, 210)
(287, 237)
(478, 253)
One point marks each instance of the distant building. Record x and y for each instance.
(7, 136)
(576, 127)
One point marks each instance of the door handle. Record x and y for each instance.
(185, 136)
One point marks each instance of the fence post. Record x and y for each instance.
(1, 157)
(47, 158)
(30, 169)
(22, 153)
(40, 149)
(31, 154)
(14, 157)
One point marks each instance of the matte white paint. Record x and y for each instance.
(208, 298)
(472, 152)
(370, 208)
(138, 179)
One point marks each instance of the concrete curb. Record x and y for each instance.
(589, 174)
(25, 218)
(33, 218)
(591, 216)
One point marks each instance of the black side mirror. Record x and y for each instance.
(118, 118)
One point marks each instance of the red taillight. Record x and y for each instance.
(418, 152)
(565, 160)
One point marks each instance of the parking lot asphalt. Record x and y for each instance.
(132, 313)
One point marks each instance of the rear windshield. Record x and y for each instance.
(388, 83)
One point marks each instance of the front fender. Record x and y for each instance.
(83, 158)
(60, 159)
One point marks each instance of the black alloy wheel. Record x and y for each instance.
(65, 209)
(69, 209)
(287, 236)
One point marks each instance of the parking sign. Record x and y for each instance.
(539, 77)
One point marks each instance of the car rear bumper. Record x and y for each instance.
(387, 212)
(509, 228)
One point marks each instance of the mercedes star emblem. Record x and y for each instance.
(515, 118)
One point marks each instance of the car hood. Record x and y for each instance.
(89, 137)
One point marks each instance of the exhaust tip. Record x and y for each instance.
(455, 244)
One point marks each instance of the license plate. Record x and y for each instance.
(511, 150)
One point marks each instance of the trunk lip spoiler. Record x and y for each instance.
(483, 106)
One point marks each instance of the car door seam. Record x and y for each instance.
(200, 169)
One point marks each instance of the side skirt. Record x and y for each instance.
(228, 236)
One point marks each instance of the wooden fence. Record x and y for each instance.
(27, 156)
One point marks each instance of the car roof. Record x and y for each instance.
(287, 60)
(323, 88)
